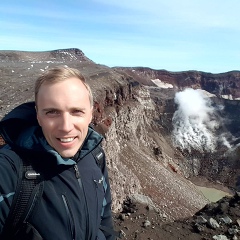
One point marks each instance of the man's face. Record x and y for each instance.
(64, 113)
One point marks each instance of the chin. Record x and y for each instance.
(67, 154)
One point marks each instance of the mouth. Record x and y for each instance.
(66, 140)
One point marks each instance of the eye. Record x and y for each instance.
(52, 113)
(77, 112)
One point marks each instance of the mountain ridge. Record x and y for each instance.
(70, 54)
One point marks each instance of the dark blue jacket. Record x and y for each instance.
(76, 197)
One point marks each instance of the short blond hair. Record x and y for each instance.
(59, 74)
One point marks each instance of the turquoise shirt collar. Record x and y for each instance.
(59, 158)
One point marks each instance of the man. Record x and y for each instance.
(54, 134)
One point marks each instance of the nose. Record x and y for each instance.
(66, 123)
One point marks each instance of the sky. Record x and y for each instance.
(202, 35)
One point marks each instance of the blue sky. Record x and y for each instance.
(174, 35)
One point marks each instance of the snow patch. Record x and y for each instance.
(227, 97)
(161, 84)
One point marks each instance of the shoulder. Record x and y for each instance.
(10, 167)
(9, 171)
(9, 160)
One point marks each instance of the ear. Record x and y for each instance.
(37, 115)
(91, 115)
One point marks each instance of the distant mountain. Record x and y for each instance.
(72, 54)
(224, 85)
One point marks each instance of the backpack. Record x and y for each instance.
(29, 189)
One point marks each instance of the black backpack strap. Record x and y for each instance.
(29, 189)
(99, 156)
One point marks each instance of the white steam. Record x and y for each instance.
(195, 122)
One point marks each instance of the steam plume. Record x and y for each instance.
(195, 122)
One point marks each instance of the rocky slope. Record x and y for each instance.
(133, 109)
(220, 221)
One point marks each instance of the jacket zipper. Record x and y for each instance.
(78, 176)
(69, 213)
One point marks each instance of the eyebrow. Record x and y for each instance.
(50, 109)
(56, 109)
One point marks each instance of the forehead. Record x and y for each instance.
(68, 90)
(55, 81)
(69, 84)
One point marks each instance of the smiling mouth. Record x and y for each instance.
(66, 140)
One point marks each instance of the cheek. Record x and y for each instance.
(45, 124)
